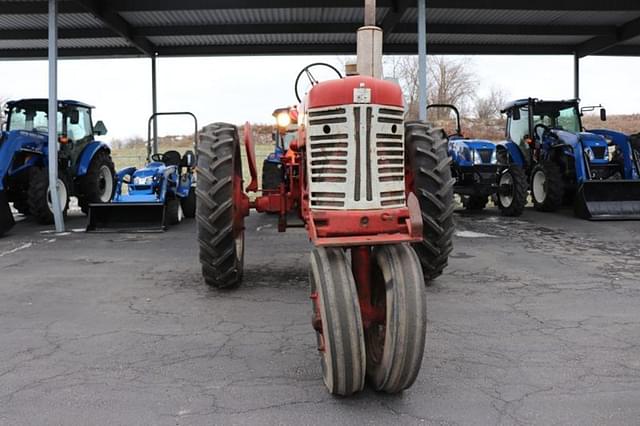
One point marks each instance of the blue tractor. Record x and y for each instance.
(154, 196)
(483, 169)
(285, 131)
(85, 168)
(597, 171)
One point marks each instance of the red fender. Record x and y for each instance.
(251, 158)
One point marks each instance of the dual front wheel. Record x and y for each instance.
(355, 344)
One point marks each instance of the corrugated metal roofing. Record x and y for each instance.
(198, 27)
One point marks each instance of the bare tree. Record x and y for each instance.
(3, 106)
(450, 81)
(488, 108)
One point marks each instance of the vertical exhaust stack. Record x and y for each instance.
(370, 43)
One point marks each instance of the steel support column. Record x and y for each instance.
(53, 116)
(576, 76)
(422, 60)
(154, 103)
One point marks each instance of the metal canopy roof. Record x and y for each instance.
(129, 28)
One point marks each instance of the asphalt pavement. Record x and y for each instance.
(536, 321)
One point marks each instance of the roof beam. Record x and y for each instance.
(549, 5)
(394, 15)
(598, 44)
(563, 5)
(63, 33)
(349, 28)
(116, 23)
(350, 48)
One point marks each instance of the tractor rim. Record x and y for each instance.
(538, 186)
(62, 195)
(105, 184)
(506, 197)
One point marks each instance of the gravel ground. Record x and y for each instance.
(536, 321)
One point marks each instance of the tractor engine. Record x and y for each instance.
(355, 145)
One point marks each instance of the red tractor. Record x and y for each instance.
(376, 196)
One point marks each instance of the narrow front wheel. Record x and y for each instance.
(395, 347)
(337, 321)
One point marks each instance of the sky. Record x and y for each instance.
(237, 89)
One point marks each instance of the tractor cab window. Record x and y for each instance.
(287, 139)
(78, 121)
(31, 118)
(569, 120)
(519, 129)
(558, 116)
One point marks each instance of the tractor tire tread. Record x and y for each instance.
(427, 155)
(214, 206)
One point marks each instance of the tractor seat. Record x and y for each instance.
(171, 158)
(188, 159)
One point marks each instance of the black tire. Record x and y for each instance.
(336, 314)
(475, 202)
(22, 206)
(272, 175)
(172, 211)
(547, 196)
(428, 159)
(95, 186)
(395, 349)
(512, 191)
(189, 204)
(221, 241)
(38, 195)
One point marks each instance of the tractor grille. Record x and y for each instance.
(356, 157)
(485, 155)
(599, 151)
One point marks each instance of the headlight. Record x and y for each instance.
(611, 151)
(145, 180)
(283, 120)
(477, 159)
(494, 157)
(589, 152)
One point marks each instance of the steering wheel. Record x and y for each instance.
(310, 76)
(545, 129)
(157, 157)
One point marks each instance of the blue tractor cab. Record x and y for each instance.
(478, 172)
(154, 196)
(85, 167)
(285, 131)
(597, 171)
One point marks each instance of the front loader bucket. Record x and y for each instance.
(6, 217)
(126, 217)
(609, 200)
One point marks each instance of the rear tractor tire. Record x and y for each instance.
(547, 187)
(429, 163)
(220, 226)
(512, 191)
(337, 320)
(395, 348)
(99, 184)
(39, 196)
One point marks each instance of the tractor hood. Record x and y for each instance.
(586, 139)
(20, 140)
(470, 152)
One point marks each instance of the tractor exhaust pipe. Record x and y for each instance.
(370, 43)
(6, 217)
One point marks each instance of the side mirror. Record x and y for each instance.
(74, 116)
(99, 129)
(515, 113)
(603, 114)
